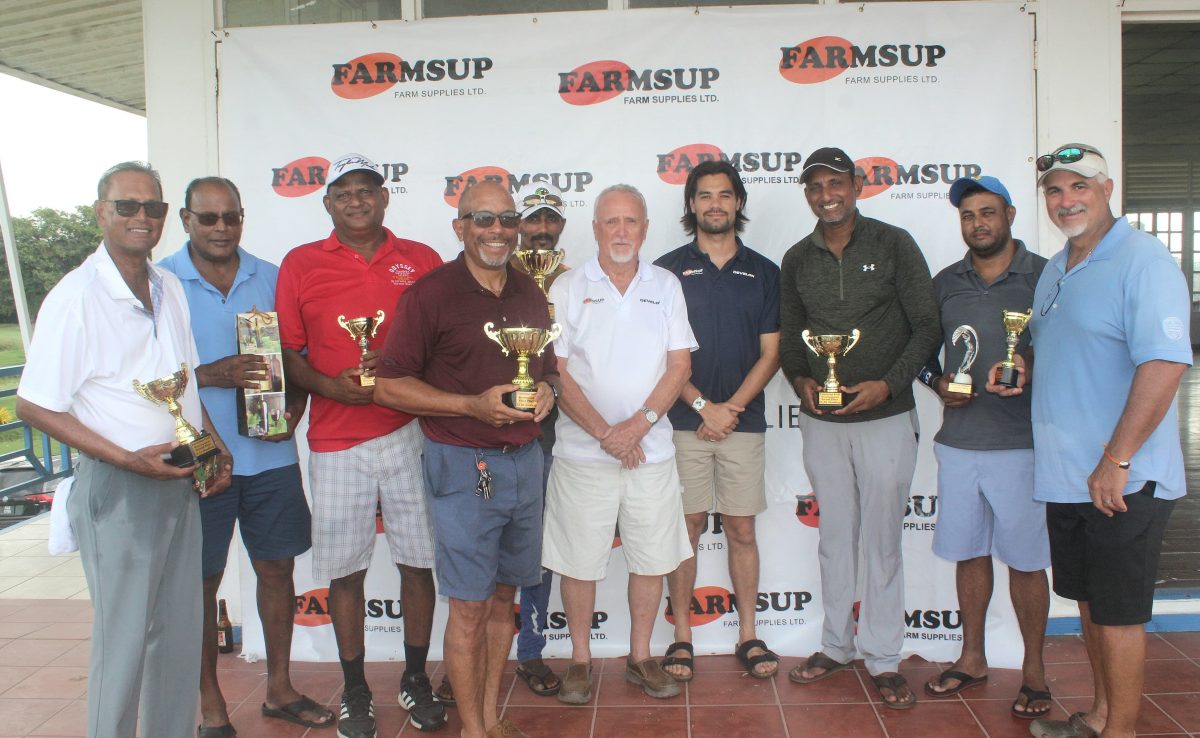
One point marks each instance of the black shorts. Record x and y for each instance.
(1109, 563)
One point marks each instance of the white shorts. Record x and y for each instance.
(348, 487)
(585, 501)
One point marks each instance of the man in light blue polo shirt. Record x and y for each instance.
(220, 280)
(1110, 336)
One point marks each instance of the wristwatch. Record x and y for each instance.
(699, 403)
(650, 415)
(553, 390)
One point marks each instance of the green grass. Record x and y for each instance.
(12, 353)
(11, 350)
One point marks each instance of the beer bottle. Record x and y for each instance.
(224, 629)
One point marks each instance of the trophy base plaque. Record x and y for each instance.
(960, 383)
(1006, 376)
(833, 400)
(521, 399)
(365, 380)
(195, 452)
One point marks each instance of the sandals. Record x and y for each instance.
(820, 661)
(445, 692)
(292, 713)
(688, 661)
(749, 662)
(894, 683)
(965, 681)
(1031, 695)
(220, 731)
(539, 678)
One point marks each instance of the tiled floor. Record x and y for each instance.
(43, 683)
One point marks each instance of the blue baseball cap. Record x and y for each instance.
(991, 184)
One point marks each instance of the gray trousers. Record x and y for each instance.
(139, 542)
(861, 474)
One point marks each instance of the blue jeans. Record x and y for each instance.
(535, 601)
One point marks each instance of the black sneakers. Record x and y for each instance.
(357, 717)
(425, 712)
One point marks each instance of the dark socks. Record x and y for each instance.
(352, 672)
(414, 658)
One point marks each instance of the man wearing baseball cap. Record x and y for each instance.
(1110, 336)
(984, 448)
(363, 456)
(855, 273)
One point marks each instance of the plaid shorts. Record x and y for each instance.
(348, 487)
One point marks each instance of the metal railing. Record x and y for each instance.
(40, 460)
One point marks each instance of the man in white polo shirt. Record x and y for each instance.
(117, 319)
(624, 356)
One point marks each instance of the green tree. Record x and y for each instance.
(50, 243)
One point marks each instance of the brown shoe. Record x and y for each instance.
(445, 692)
(653, 680)
(506, 729)
(576, 686)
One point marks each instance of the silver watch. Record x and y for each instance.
(699, 403)
(650, 415)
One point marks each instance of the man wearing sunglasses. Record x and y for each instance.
(115, 320)
(364, 457)
(1110, 337)
(984, 448)
(482, 460)
(266, 499)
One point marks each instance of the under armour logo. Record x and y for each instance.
(868, 267)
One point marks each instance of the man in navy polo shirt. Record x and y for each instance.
(732, 295)
(220, 280)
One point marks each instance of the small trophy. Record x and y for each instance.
(195, 447)
(362, 330)
(961, 382)
(524, 341)
(1014, 323)
(831, 345)
(539, 263)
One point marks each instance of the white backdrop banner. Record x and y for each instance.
(915, 93)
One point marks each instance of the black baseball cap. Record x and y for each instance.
(828, 157)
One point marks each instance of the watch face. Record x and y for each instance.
(699, 403)
(651, 416)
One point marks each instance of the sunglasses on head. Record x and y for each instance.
(1066, 155)
(210, 219)
(485, 218)
(542, 198)
(129, 208)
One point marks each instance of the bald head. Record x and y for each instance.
(484, 190)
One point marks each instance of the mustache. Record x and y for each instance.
(1075, 210)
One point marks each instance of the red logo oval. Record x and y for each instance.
(815, 60)
(593, 82)
(456, 185)
(707, 605)
(674, 168)
(808, 511)
(365, 76)
(301, 177)
(878, 173)
(312, 608)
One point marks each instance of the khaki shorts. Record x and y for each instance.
(725, 476)
(584, 500)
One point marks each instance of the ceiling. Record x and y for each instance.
(1161, 81)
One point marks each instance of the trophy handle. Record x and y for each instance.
(808, 341)
(548, 337)
(343, 323)
(183, 376)
(378, 322)
(489, 330)
(854, 334)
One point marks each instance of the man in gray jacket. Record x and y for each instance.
(856, 273)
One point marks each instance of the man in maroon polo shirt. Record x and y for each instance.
(363, 456)
(483, 466)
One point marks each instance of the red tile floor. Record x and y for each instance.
(43, 685)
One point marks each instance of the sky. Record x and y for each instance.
(54, 146)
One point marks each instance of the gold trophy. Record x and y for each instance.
(195, 447)
(831, 345)
(961, 381)
(1014, 324)
(540, 263)
(524, 341)
(362, 330)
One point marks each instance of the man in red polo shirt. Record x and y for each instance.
(362, 455)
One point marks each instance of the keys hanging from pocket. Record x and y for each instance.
(483, 488)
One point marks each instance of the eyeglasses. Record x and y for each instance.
(129, 208)
(485, 218)
(210, 219)
(1052, 298)
(542, 197)
(1068, 154)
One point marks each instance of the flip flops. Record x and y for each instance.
(820, 661)
(894, 683)
(1032, 695)
(965, 681)
(292, 713)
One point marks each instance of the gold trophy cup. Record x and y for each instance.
(195, 446)
(523, 341)
(362, 330)
(831, 346)
(961, 381)
(540, 263)
(1014, 324)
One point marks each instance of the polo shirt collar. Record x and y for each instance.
(1022, 261)
(1106, 249)
(739, 256)
(593, 271)
(333, 243)
(468, 283)
(185, 268)
(114, 283)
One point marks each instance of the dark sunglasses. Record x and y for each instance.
(541, 197)
(129, 208)
(1066, 155)
(485, 218)
(210, 219)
